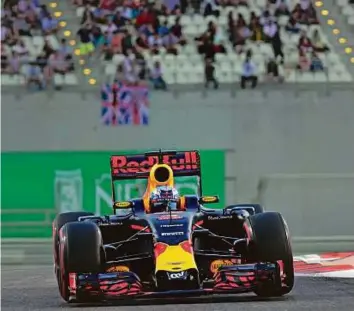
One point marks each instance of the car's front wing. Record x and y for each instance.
(125, 285)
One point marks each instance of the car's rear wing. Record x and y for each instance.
(138, 166)
(182, 163)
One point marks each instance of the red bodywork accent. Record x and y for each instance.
(187, 246)
(72, 282)
(198, 223)
(140, 228)
(159, 248)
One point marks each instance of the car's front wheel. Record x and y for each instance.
(80, 251)
(270, 242)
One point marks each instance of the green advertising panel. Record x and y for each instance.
(37, 185)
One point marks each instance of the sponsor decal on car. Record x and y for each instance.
(168, 217)
(122, 164)
(218, 217)
(118, 269)
(172, 233)
(216, 264)
(172, 225)
(177, 275)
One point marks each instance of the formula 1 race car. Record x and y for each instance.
(182, 249)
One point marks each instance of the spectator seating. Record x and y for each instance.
(33, 37)
(35, 45)
(346, 9)
(188, 66)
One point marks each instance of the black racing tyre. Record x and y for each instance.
(59, 221)
(270, 242)
(80, 251)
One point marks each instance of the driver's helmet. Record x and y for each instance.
(163, 199)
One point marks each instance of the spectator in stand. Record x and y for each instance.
(129, 68)
(266, 16)
(240, 33)
(84, 34)
(317, 42)
(209, 7)
(49, 25)
(273, 71)
(176, 30)
(141, 65)
(155, 43)
(170, 42)
(21, 49)
(257, 30)
(249, 73)
(157, 78)
(304, 63)
(205, 45)
(305, 12)
(47, 49)
(316, 63)
(4, 60)
(305, 43)
(14, 63)
(282, 7)
(272, 36)
(34, 75)
(209, 71)
(292, 25)
(65, 52)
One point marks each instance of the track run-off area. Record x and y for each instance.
(322, 283)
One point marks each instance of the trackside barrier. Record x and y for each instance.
(39, 251)
(312, 204)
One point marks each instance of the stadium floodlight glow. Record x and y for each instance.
(72, 42)
(348, 50)
(331, 22)
(319, 4)
(324, 12)
(53, 5)
(336, 31)
(58, 14)
(67, 33)
(62, 24)
(87, 71)
(92, 81)
(342, 40)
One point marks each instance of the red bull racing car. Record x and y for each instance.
(164, 244)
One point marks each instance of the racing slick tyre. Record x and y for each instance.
(80, 251)
(58, 222)
(270, 242)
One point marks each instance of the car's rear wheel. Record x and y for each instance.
(80, 251)
(270, 242)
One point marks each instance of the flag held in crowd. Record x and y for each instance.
(124, 105)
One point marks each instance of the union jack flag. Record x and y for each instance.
(124, 105)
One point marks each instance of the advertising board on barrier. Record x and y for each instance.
(55, 182)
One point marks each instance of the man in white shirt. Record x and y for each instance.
(249, 73)
(270, 29)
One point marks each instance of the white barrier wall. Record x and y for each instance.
(312, 203)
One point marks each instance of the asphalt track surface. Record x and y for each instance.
(34, 288)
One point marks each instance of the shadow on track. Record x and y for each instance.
(184, 300)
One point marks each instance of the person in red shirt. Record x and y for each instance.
(146, 17)
(109, 5)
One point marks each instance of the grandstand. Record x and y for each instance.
(187, 67)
